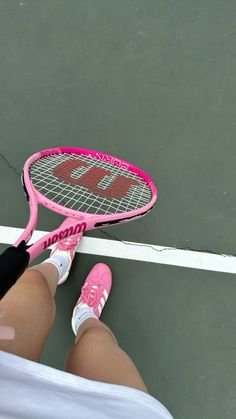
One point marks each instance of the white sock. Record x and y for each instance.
(60, 261)
(82, 313)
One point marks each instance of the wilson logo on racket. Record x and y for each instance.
(79, 228)
(117, 189)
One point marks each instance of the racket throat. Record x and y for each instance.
(74, 227)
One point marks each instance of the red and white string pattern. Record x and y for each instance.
(86, 184)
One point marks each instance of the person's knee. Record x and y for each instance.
(36, 280)
(98, 335)
(33, 275)
(34, 283)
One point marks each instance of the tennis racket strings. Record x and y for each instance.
(86, 184)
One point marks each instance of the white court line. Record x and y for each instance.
(139, 251)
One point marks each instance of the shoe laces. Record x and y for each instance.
(69, 242)
(92, 291)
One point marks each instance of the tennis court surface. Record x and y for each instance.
(153, 83)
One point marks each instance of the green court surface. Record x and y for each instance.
(154, 83)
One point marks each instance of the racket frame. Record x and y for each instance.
(79, 221)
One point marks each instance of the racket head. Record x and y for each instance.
(81, 183)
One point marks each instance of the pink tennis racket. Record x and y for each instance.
(91, 189)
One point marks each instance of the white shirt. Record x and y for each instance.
(29, 390)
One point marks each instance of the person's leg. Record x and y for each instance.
(96, 354)
(29, 305)
(30, 309)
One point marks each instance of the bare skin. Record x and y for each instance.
(30, 309)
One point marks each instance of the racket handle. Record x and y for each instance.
(13, 262)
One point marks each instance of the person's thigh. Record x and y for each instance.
(30, 308)
(98, 357)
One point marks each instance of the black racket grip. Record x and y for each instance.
(13, 262)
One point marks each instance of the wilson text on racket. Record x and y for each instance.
(78, 228)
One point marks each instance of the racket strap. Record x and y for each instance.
(13, 262)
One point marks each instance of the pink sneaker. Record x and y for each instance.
(95, 290)
(66, 246)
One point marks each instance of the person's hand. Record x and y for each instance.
(6, 332)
